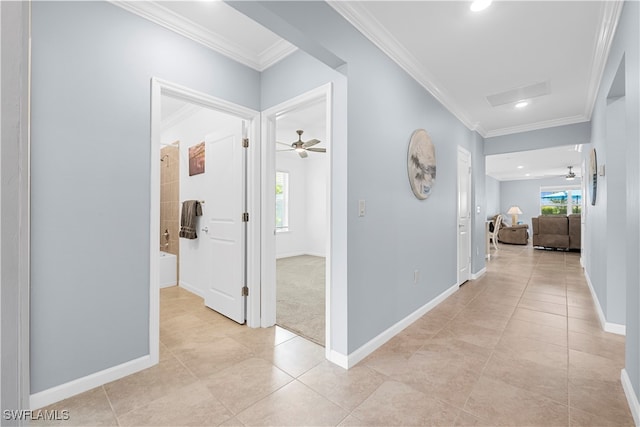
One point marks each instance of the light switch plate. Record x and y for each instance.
(362, 207)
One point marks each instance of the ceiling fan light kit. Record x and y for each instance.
(571, 175)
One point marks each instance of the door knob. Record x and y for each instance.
(205, 229)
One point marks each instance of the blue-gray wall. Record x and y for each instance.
(578, 133)
(92, 66)
(492, 190)
(399, 234)
(620, 151)
(526, 194)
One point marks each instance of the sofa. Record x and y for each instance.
(515, 235)
(557, 231)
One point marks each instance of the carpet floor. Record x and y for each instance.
(300, 282)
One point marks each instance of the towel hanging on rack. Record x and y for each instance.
(190, 210)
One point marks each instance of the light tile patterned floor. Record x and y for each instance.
(521, 346)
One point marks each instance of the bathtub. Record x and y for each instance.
(168, 269)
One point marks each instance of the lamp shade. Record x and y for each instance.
(514, 210)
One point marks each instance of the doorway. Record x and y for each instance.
(210, 139)
(296, 244)
(301, 220)
(464, 215)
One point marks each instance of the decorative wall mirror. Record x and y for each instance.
(593, 176)
(421, 164)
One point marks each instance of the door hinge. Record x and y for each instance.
(245, 217)
(245, 291)
(245, 142)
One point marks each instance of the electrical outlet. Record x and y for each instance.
(416, 276)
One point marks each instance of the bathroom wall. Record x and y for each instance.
(170, 199)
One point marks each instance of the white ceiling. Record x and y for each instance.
(459, 56)
(217, 26)
(462, 57)
(545, 163)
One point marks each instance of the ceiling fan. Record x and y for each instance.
(301, 147)
(571, 175)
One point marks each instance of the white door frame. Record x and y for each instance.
(465, 152)
(161, 87)
(268, 270)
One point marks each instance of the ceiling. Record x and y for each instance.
(551, 53)
(544, 163)
(217, 26)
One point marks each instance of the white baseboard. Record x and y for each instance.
(292, 254)
(191, 288)
(66, 390)
(479, 274)
(371, 346)
(614, 328)
(632, 397)
(338, 359)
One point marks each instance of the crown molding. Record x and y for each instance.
(371, 28)
(537, 126)
(608, 24)
(276, 52)
(214, 41)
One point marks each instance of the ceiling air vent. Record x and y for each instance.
(518, 94)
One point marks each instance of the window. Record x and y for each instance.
(560, 200)
(282, 201)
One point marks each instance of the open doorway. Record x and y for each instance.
(296, 221)
(200, 154)
(301, 220)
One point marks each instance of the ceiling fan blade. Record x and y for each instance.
(303, 154)
(317, 150)
(310, 143)
(282, 143)
(290, 149)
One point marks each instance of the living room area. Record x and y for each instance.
(535, 198)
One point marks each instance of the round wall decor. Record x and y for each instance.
(421, 164)
(593, 176)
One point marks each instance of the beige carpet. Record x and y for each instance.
(300, 296)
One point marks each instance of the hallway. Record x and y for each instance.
(522, 345)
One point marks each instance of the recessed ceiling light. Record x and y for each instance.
(522, 104)
(520, 167)
(479, 5)
(527, 174)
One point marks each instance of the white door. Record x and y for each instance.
(223, 227)
(464, 215)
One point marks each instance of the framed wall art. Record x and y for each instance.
(196, 159)
(421, 164)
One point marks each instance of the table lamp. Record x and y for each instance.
(514, 211)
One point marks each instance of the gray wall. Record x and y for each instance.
(492, 190)
(92, 65)
(399, 234)
(526, 194)
(14, 178)
(626, 44)
(578, 133)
